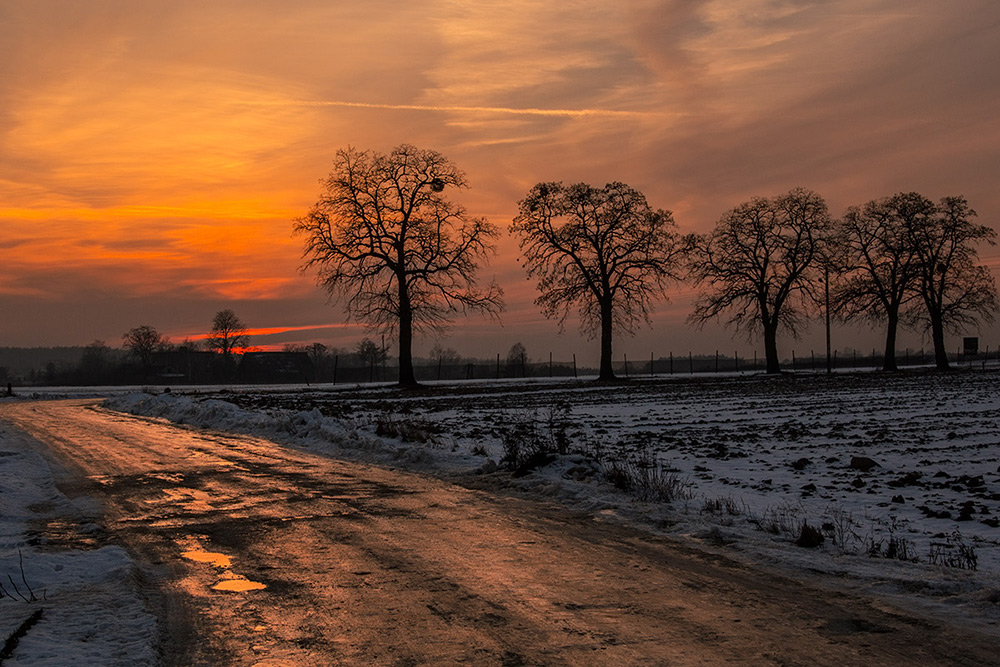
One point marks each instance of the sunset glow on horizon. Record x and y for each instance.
(154, 155)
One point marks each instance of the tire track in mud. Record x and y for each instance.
(363, 565)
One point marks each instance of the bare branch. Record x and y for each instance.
(759, 265)
(600, 251)
(386, 243)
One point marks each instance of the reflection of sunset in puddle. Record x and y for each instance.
(238, 585)
(230, 581)
(216, 559)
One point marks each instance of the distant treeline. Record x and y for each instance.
(34, 365)
(313, 364)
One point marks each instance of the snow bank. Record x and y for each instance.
(91, 611)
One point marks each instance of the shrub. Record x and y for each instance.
(528, 440)
(893, 546)
(809, 537)
(405, 429)
(722, 506)
(954, 552)
(645, 478)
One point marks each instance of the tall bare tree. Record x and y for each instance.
(956, 291)
(383, 239)
(142, 342)
(761, 264)
(878, 262)
(228, 333)
(602, 251)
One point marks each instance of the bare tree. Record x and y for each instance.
(602, 251)
(320, 355)
(881, 268)
(228, 333)
(760, 264)
(96, 362)
(370, 353)
(385, 240)
(517, 360)
(445, 356)
(956, 292)
(142, 342)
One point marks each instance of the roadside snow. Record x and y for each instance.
(91, 611)
(756, 456)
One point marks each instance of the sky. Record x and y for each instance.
(153, 155)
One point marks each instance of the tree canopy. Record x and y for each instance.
(228, 333)
(142, 341)
(878, 263)
(603, 252)
(955, 290)
(386, 242)
(760, 265)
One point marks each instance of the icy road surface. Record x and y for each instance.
(265, 556)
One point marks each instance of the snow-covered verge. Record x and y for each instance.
(90, 609)
(898, 474)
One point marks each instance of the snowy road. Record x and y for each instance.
(260, 555)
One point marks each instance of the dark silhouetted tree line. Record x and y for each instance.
(384, 240)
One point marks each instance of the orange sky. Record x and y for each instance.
(153, 154)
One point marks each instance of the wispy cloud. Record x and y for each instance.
(571, 113)
(151, 166)
(271, 331)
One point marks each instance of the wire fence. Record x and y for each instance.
(346, 372)
(299, 368)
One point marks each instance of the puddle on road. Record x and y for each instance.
(216, 559)
(239, 585)
(230, 582)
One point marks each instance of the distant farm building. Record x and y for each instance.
(275, 367)
(184, 366)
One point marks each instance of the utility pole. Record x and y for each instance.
(826, 281)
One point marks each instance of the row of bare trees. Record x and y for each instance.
(904, 260)
(228, 334)
(386, 242)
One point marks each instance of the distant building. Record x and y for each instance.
(276, 367)
(184, 366)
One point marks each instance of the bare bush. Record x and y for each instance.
(780, 520)
(723, 506)
(891, 546)
(406, 429)
(528, 437)
(645, 478)
(954, 552)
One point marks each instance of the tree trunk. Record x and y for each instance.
(937, 335)
(406, 376)
(889, 363)
(607, 327)
(771, 347)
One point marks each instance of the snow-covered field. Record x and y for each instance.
(900, 474)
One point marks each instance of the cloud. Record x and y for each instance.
(159, 151)
(570, 113)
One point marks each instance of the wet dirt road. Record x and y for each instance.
(259, 555)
